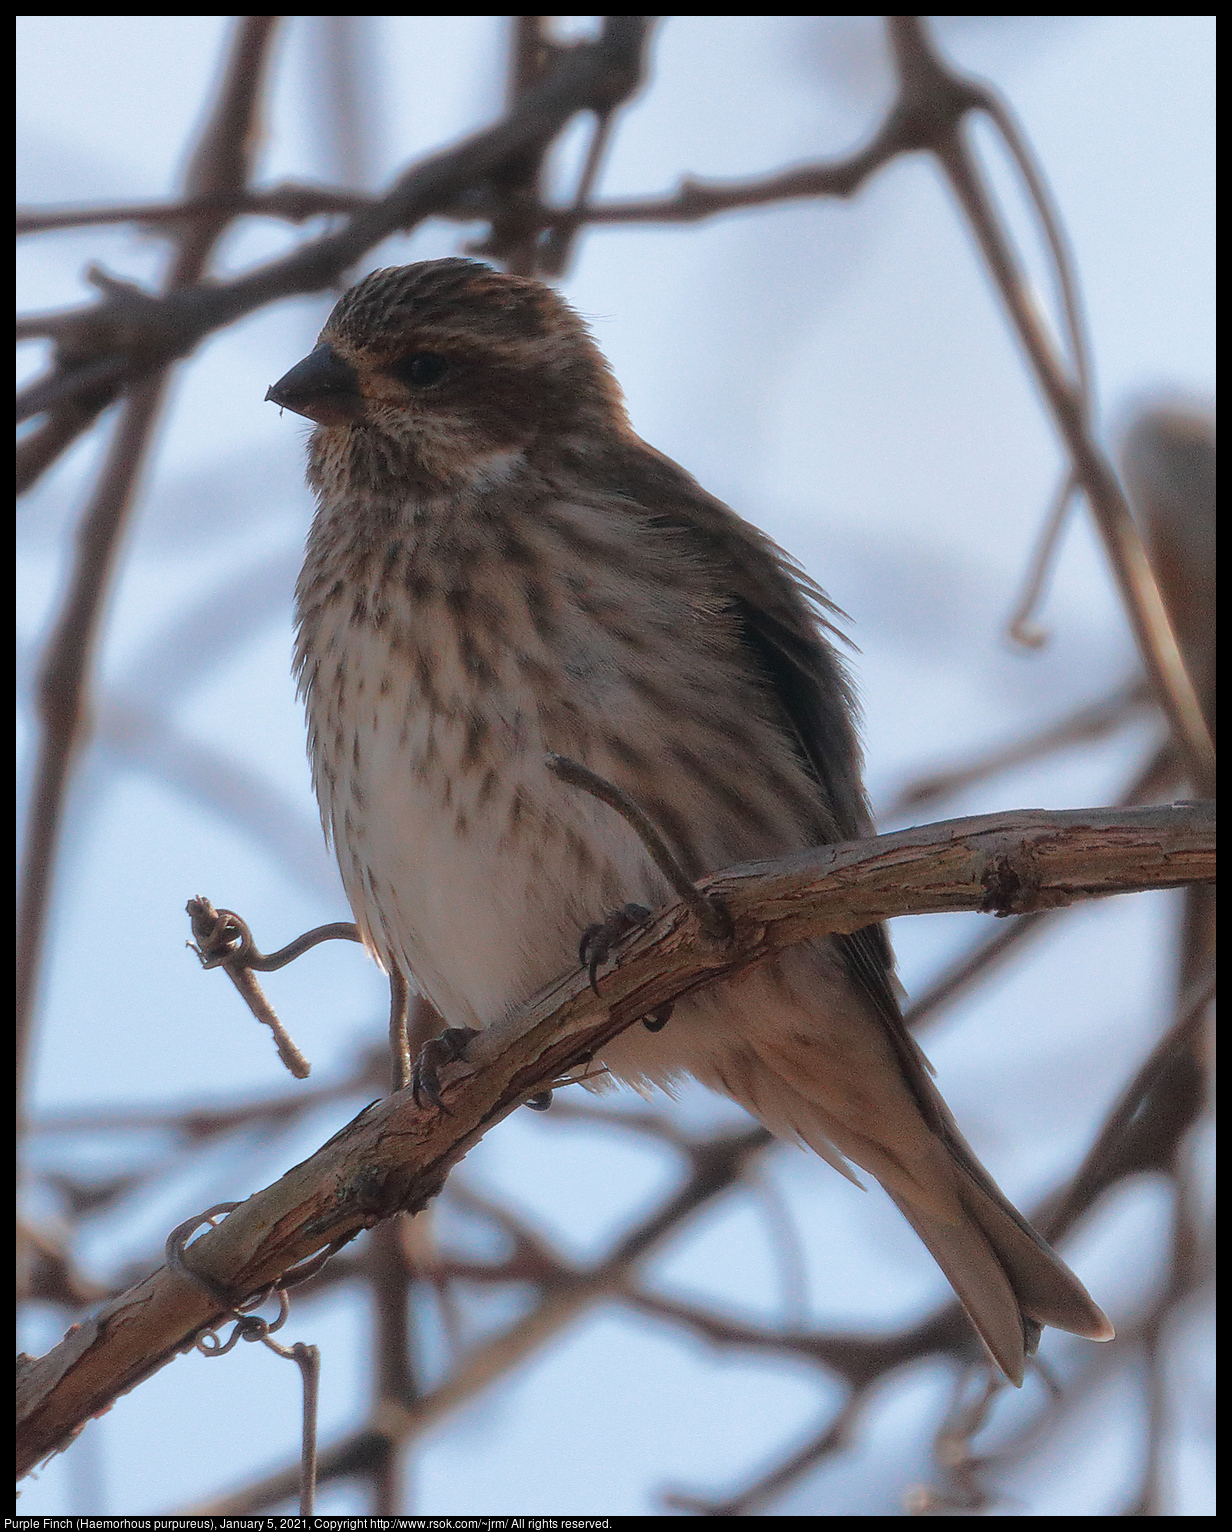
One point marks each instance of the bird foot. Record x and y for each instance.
(448, 1048)
(657, 1020)
(598, 940)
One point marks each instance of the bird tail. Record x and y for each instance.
(860, 1093)
(1010, 1282)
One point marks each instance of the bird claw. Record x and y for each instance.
(597, 941)
(657, 1020)
(448, 1048)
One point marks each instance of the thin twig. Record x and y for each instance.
(562, 1304)
(1090, 721)
(251, 1328)
(395, 1157)
(220, 163)
(710, 914)
(293, 201)
(1140, 594)
(1149, 1121)
(977, 962)
(219, 929)
(62, 700)
(511, 237)
(399, 1037)
(554, 251)
(132, 338)
(308, 1360)
(215, 932)
(1021, 627)
(915, 121)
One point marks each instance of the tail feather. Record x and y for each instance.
(1047, 1290)
(1008, 1280)
(982, 1284)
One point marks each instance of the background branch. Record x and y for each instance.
(488, 1282)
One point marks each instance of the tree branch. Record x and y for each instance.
(395, 1156)
(219, 163)
(1067, 397)
(131, 334)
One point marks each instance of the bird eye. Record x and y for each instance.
(420, 369)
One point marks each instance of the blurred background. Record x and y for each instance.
(840, 372)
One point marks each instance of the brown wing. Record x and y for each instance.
(783, 619)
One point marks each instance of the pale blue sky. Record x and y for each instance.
(842, 375)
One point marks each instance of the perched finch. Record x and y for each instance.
(499, 568)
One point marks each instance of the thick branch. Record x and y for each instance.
(396, 1156)
(717, 1166)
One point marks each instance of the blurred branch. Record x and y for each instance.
(62, 700)
(1092, 721)
(1145, 1129)
(395, 1156)
(220, 163)
(862, 1361)
(1168, 460)
(291, 201)
(344, 97)
(717, 1166)
(518, 183)
(1068, 402)
(390, 1157)
(1021, 626)
(981, 959)
(131, 334)
(201, 1123)
(932, 100)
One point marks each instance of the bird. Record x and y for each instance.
(500, 570)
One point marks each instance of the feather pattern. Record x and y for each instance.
(500, 568)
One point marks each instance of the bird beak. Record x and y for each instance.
(323, 388)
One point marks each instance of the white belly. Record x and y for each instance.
(466, 863)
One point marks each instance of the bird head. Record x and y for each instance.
(429, 372)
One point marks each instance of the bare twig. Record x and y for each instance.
(198, 1124)
(1140, 594)
(977, 962)
(62, 700)
(1021, 626)
(125, 338)
(216, 933)
(219, 164)
(251, 1328)
(718, 1167)
(399, 1035)
(1091, 721)
(1146, 1127)
(293, 201)
(516, 186)
(710, 915)
(495, 176)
